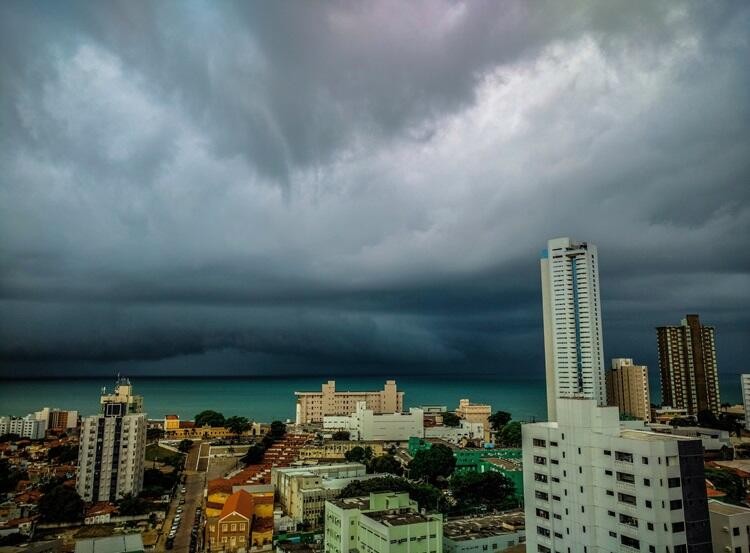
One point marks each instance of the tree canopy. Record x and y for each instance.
(729, 483)
(472, 490)
(385, 464)
(499, 420)
(185, 445)
(427, 496)
(254, 455)
(510, 435)
(278, 429)
(341, 435)
(209, 418)
(237, 425)
(451, 419)
(359, 454)
(432, 464)
(61, 504)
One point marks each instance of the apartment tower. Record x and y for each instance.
(573, 349)
(627, 388)
(687, 366)
(112, 449)
(746, 398)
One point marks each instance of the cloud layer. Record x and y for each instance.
(323, 186)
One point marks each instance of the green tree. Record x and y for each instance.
(61, 504)
(154, 434)
(432, 464)
(254, 455)
(510, 435)
(499, 420)
(267, 441)
(130, 505)
(278, 429)
(472, 490)
(237, 425)
(209, 418)
(63, 454)
(359, 454)
(451, 419)
(427, 496)
(185, 445)
(341, 435)
(10, 476)
(707, 419)
(386, 463)
(729, 483)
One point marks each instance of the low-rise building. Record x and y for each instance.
(480, 534)
(465, 432)
(381, 523)
(713, 440)
(126, 543)
(365, 424)
(238, 527)
(335, 450)
(666, 413)
(730, 527)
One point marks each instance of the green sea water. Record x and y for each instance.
(271, 398)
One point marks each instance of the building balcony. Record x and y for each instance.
(625, 486)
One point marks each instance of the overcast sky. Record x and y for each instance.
(303, 187)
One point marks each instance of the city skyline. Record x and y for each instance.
(329, 189)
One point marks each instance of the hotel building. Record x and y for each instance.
(476, 413)
(687, 366)
(313, 406)
(627, 388)
(573, 350)
(112, 449)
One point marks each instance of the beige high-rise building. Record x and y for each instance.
(313, 406)
(687, 365)
(627, 388)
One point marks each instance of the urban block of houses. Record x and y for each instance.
(381, 523)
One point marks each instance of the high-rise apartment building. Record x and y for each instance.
(122, 401)
(746, 398)
(573, 349)
(57, 419)
(627, 388)
(590, 485)
(313, 406)
(687, 366)
(112, 449)
(26, 427)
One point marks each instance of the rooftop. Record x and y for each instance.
(402, 518)
(127, 543)
(726, 509)
(361, 503)
(646, 436)
(482, 527)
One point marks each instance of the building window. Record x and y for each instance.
(539, 460)
(678, 527)
(673, 482)
(608, 472)
(626, 498)
(540, 477)
(644, 460)
(607, 452)
(630, 542)
(543, 531)
(623, 457)
(677, 504)
(646, 482)
(539, 443)
(611, 513)
(625, 477)
(648, 503)
(736, 531)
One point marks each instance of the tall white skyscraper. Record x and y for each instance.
(112, 449)
(573, 349)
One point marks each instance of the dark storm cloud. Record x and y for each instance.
(365, 184)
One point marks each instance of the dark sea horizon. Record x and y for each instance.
(266, 398)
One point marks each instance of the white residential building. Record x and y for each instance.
(58, 419)
(112, 451)
(111, 457)
(746, 398)
(454, 434)
(365, 424)
(730, 527)
(591, 486)
(26, 427)
(574, 358)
